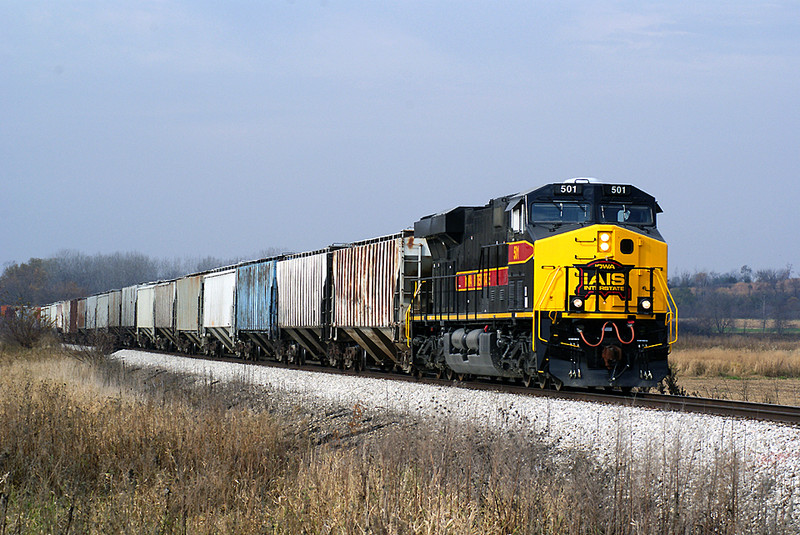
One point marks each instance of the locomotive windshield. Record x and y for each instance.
(633, 214)
(560, 212)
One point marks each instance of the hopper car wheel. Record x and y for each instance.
(361, 361)
(557, 384)
(450, 374)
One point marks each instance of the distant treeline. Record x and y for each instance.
(713, 302)
(70, 274)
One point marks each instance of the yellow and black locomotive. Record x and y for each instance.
(561, 285)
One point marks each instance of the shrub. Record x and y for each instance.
(25, 329)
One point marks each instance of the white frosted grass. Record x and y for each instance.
(686, 443)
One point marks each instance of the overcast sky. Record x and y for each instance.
(189, 128)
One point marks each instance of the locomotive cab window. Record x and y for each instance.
(559, 212)
(631, 214)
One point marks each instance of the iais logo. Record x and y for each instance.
(604, 278)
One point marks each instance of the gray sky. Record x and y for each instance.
(188, 128)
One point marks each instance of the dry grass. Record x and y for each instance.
(127, 463)
(736, 356)
(747, 368)
(88, 447)
(756, 389)
(748, 342)
(722, 362)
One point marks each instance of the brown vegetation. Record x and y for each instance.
(23, 328)
(737, 356)
(721, 362)
(758, 368)
(755, 389)
(93, 447)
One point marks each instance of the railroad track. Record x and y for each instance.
(715, 407)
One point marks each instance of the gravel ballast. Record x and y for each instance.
(769, 453)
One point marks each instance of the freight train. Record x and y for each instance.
(561, 285)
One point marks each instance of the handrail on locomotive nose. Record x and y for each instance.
(672, 314)
(551, 280)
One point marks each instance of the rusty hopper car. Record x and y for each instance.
(373, 284)
(80, 314)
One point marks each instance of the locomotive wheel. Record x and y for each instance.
(527, 379)
(543, 382)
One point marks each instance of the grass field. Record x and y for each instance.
(88, 446)
(745, 367)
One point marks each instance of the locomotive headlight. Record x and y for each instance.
(604, 242)
(645, 305)
(576, 304)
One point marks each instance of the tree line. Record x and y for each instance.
(712, 302)
(70, 274)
